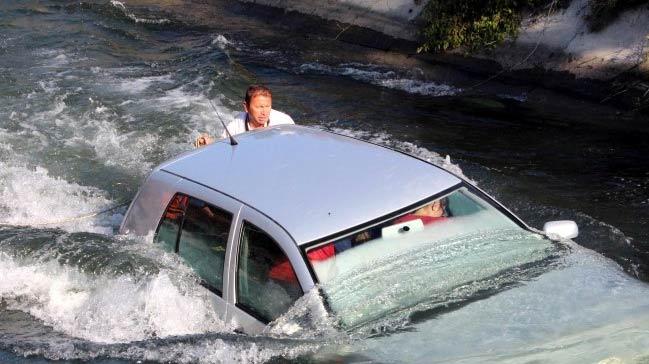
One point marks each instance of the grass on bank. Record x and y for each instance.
(479, 24)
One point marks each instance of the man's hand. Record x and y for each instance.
(202, 140)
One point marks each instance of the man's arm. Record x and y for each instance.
(237, 126)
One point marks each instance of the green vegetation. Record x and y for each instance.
(478, 24)
(473, 24)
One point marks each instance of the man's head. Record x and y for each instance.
(257, 104)
(436, 208)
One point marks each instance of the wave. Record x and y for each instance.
(102, 289)
(31, 196)
(122, 298)
(384, 78)
(121, 7)
(212, 348)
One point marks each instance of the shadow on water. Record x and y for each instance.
(93, 254)
(24, 339)
(505, 280)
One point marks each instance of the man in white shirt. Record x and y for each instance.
(258, 113)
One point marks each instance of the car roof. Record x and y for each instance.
(312, 182)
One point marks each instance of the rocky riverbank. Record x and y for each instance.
(559, 51)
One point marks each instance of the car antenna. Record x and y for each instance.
(232, 140)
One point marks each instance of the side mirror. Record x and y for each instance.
(561, 230)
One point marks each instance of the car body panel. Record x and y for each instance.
(147, 207)
(299, 185)
(225, 203)
(236, 315)
(306, 179)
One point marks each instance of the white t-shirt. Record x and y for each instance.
(238, 126)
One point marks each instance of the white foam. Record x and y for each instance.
(231, 349)
(307, 318)
(123, 150)
(179, 98)
(137, 85)
(30, 196)
(6, 42)
(96, 130)
(49, 87)
(130, 79)
(200, 117)
(52, 57)
(119, 5)
(419, 87)
(221, 41)
(106, 309)
(389, 79)
(101, 127)
(59, 58)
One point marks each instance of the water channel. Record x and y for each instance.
(94, 94)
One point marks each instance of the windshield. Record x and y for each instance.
(426, 255)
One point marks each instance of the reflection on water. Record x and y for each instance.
(586, 311)
(432, 275)
(94, 94)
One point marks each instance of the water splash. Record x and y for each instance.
(306, 319)
(128, 300)
(384, 78)
(90, 287)
(221, 41)
(58, 204)
(120, 6)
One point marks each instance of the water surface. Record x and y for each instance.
(95, 94)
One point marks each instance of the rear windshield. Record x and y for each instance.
(410, 258)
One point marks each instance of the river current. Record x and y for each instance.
(94, 94)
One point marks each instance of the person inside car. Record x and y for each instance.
(428, 214)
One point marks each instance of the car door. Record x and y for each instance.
(268, 273)
(199, 224)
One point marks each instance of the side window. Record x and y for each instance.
(167, 233)
(203, 240)
(459, 204)
(266, 282)
(199, 233)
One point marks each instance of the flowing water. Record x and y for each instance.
(95, 94)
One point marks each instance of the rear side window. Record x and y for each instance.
(169, 228)
(203, 240)
(198, 232)
(266, 282)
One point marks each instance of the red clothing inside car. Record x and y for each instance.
(176, 207)
(322, 253)
(284, 272)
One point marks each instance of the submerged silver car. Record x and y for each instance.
(288, 207)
